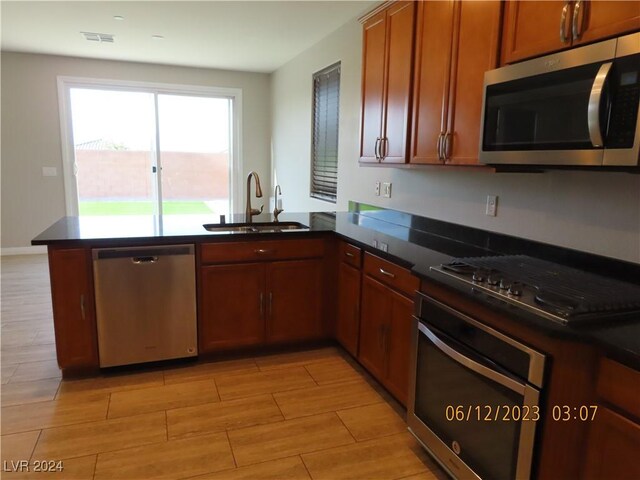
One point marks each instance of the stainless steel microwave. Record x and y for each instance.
(574, 108)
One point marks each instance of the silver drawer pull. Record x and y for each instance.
(140, 260)
(262, 251)
(349, 254)
(388, 274)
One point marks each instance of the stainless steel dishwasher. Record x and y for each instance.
(145, 303)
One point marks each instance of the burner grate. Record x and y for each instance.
(575, 290)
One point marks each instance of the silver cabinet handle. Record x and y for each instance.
(439, 145)
(349, 254)
(384, 147)
(563, 22)
(262, 251)
(446, 145)
(388, 274)
(261, 300)
(470, 363)
(142, 260)
(82, 312)
(576, 26)
(270, 303)
(376, 149)
(593, 111)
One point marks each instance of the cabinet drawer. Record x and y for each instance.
(350, 254)
(390, 274)
(619, 385)
(261, 250)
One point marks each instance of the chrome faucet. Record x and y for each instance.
(250, 212)
(277, 211)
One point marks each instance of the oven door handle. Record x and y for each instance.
(498, 377)
(593, 110)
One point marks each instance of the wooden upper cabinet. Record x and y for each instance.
(386, 84)
(476, 37)
(456, 43)
(374, 41)
(535, 28)
(74, 316)
(231, 306)
(532, 28)
(601, 19)
(434, 34)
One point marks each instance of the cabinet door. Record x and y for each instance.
(601, 19)
(477, 29)
(294, 300)
(373, 78)
(397, 107)
(398, 346)
(376, 311)
(433, 55)
(73, 307)
(532, 28)
(613, 447)
(348, 326)
(232, 302)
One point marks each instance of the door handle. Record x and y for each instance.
(384, 147)
(82, 312)
(576, 25)
(349, 254)
(376, 149)
(387, 274)
(593, 111)
(446, 146)
(563, 22)
(261, 303)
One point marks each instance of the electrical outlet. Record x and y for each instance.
(492, 205)
(386, 189)
(377, 189)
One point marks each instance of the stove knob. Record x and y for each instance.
(504, 284)
(493, 280)
(478, 276)
(515, 289)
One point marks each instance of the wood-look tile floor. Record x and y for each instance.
(304, 415)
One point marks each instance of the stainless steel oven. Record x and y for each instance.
(474, 401)
(573, 108)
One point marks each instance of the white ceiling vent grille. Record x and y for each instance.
(98, 37)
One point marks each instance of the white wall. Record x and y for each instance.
(595, 212)
(31, 129)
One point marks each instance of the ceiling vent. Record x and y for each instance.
(98, 37)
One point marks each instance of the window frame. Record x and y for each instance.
(315, 193)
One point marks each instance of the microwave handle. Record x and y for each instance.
(487, 372)
(593, 112)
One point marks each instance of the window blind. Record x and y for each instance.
(324, 155)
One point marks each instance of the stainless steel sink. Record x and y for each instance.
(255, 227)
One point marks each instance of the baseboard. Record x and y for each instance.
(33, 250)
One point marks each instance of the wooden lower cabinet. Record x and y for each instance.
(294, 300)
(385, 336)
(248, 304)
(614, 444)
(348, 324)
(74, 315)
(232, 306)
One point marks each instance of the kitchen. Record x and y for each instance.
(592, 212)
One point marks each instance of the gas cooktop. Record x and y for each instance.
(562, 294)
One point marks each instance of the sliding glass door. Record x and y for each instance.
(151, 152)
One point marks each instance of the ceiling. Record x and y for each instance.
(257, 36)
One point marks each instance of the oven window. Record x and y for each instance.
(543, 112)
(488, 446)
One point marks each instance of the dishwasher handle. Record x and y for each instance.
(144, 260)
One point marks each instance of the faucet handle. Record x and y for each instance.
(255, 211)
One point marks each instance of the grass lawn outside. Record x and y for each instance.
(171, 207)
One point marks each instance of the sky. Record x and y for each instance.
(187, 123)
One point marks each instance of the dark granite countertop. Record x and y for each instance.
(414, 242)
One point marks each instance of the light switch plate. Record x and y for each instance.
(377, 189)
(386, 189)
(49, 172)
